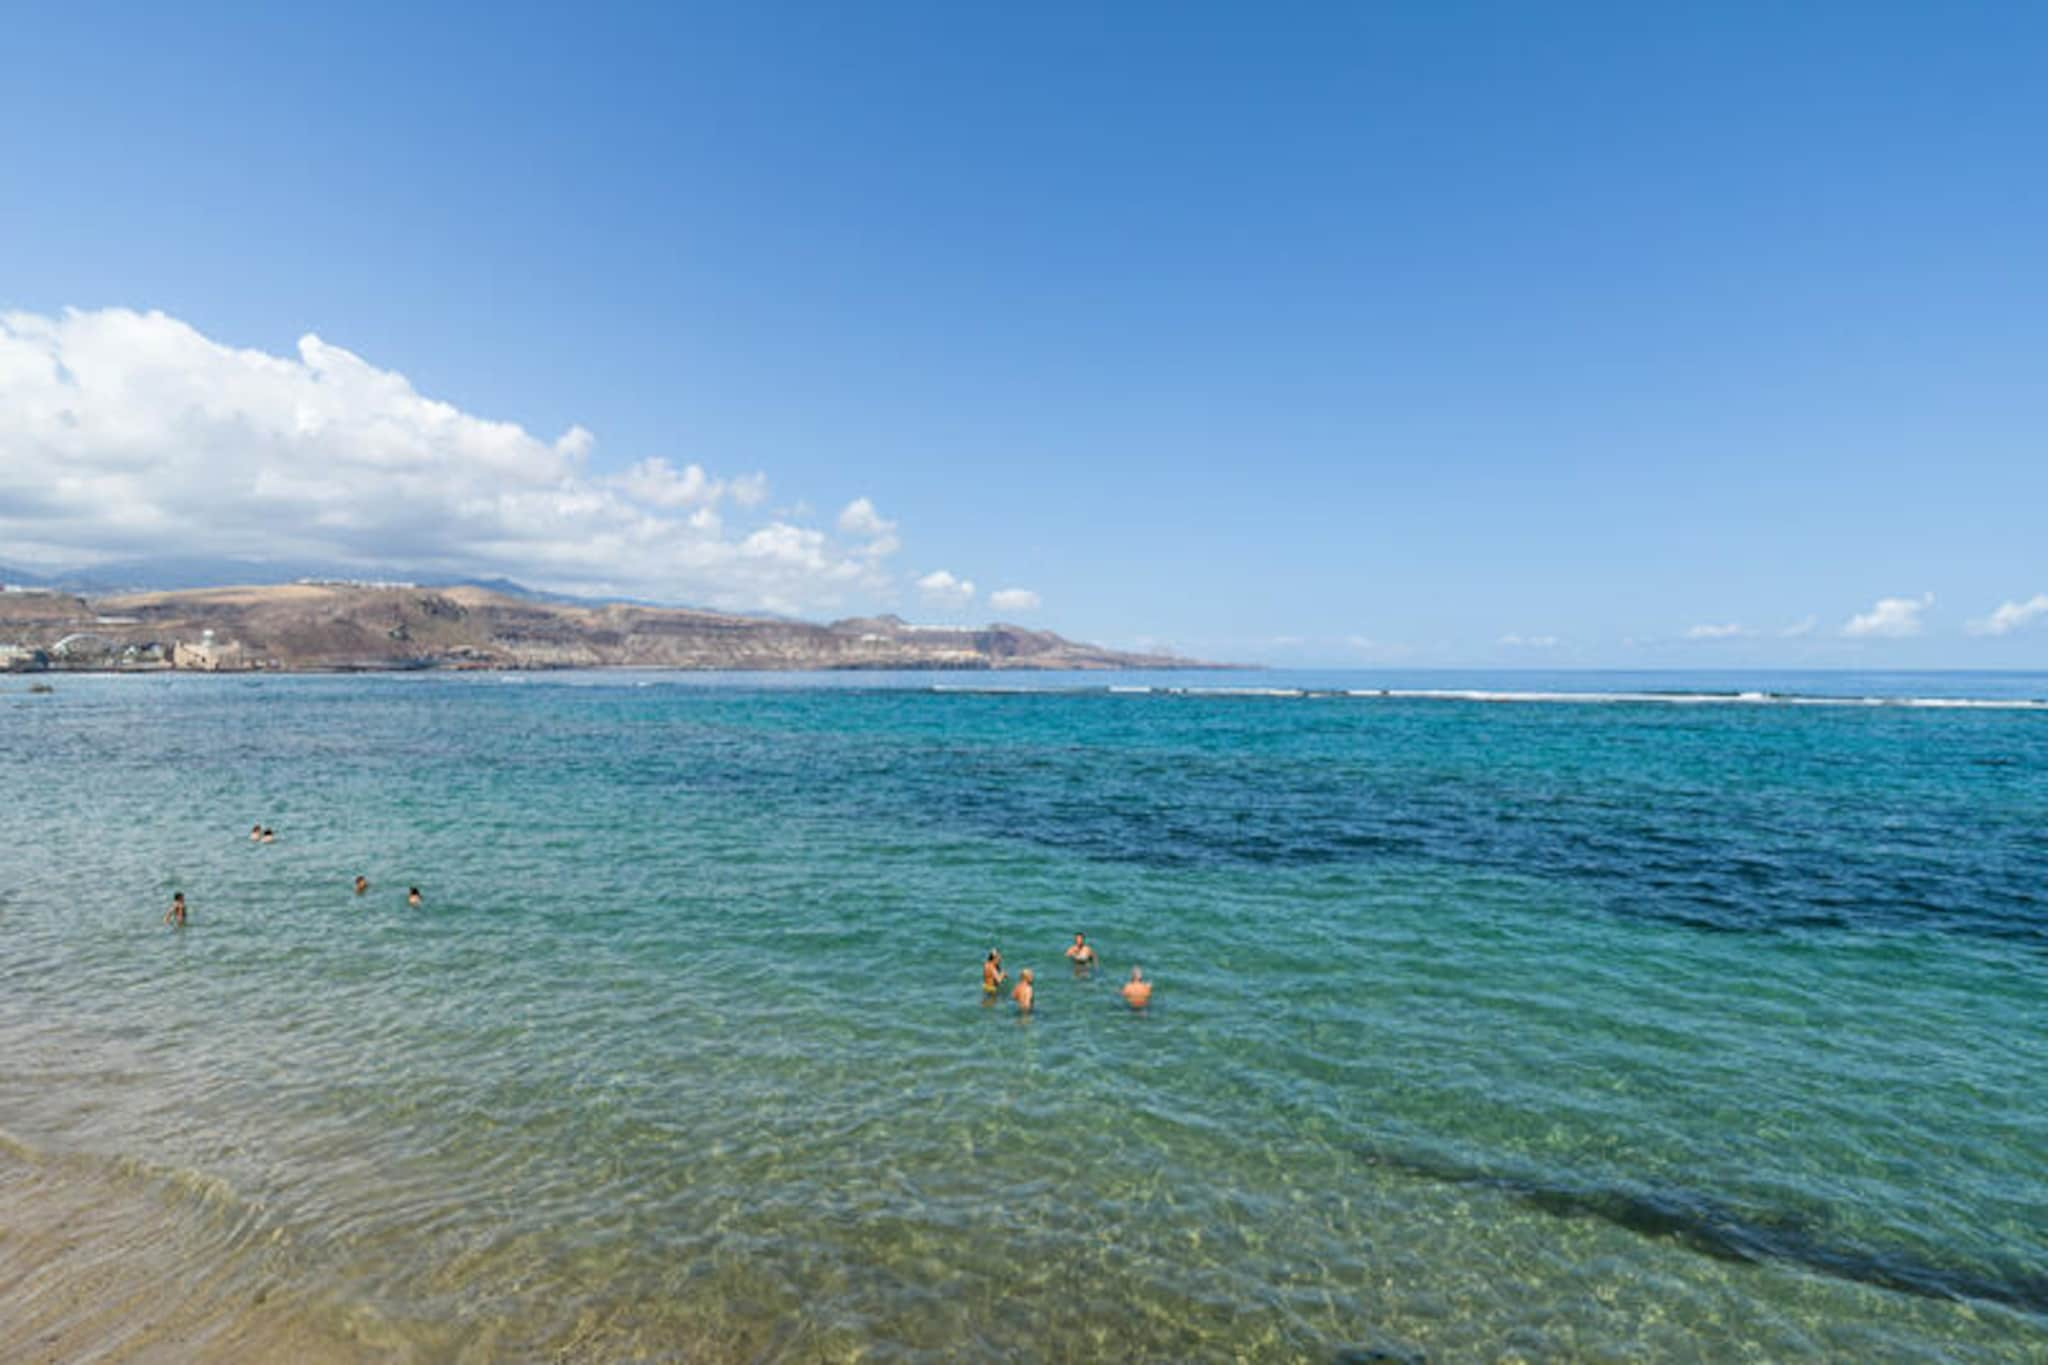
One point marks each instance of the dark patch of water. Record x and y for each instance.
(1712, 1228)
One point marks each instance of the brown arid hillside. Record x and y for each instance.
(324, 626)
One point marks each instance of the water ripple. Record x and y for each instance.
(1571, 1032)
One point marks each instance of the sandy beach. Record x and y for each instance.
(98, 1263)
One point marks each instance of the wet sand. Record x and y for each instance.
(93, 1267)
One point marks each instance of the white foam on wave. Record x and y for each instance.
(1241, 691)
(1485, 694)
(1698, 698)
(1525, 697)
(1974, 704)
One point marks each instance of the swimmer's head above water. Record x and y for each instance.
(1137, 992)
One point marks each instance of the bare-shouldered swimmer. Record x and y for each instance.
(1137, 992)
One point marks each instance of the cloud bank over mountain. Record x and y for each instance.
(126, 434)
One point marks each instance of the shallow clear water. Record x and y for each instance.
(1483, 1029)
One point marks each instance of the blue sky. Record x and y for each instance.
(1460, 334)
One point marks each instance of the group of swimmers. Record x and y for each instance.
(412, 893)
(1137, 992)
(263, 834)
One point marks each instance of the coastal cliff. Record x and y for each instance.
(313, 627)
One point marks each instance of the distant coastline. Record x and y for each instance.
(330, 626)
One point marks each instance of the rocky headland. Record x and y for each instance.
(326, 627)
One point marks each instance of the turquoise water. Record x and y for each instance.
(1698, 1026)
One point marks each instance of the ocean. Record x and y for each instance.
(1523, 1016)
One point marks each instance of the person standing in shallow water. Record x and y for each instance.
(992, 976)
(1022, 994)
(175, 916)
(412, 897)
(1080, 952)
(1137, 992)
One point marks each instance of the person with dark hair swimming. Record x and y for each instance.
(412, 897)
(362, 884)
(175, 916)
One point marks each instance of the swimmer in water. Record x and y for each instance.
(992, 977)
(1137, 992)
(1022, 993)
(255, 834)
(175, 916)
(269, 836)
(1082, 954)
(362, 884)
(412, 897)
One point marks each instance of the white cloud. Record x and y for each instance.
(656, 483)
(1530, 641)
(859, 518)
(940, 589)
(2010, 616)
(1893, 618)
(132, 434)
(1730, 631)
(1013, 599)
(1799, 629)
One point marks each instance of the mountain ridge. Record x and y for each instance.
(329, 626)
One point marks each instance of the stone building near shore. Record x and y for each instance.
(207, 654)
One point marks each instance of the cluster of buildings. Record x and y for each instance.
(89, 642)
(87, 650)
